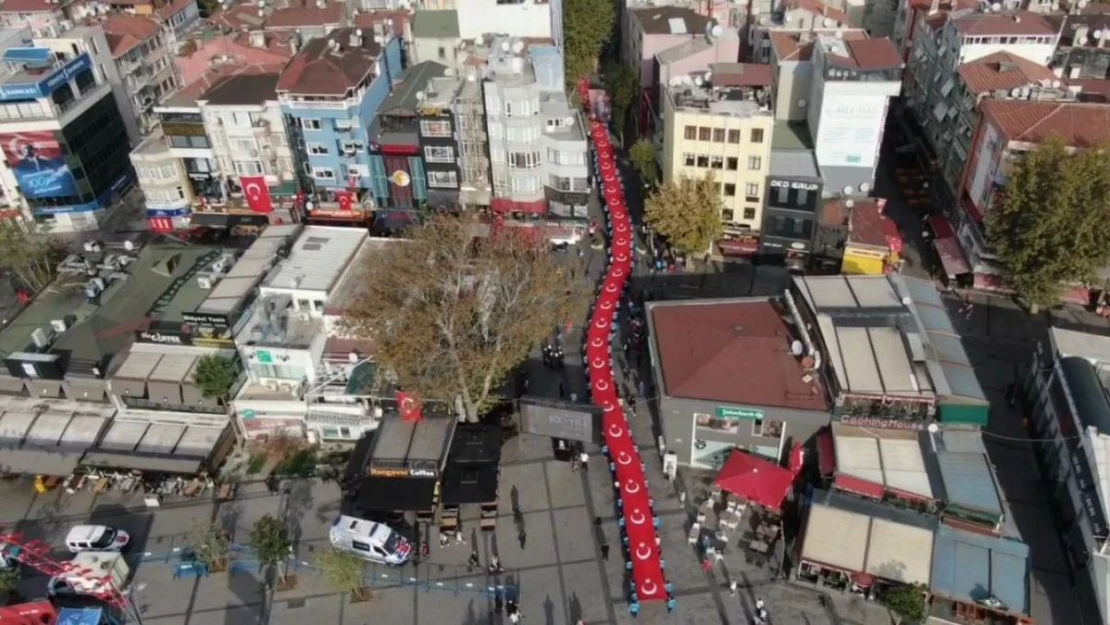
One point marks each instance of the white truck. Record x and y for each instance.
(91, 573)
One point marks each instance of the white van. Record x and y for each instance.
(96, 538)
(369, 540)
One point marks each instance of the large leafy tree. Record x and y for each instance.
(271, 543)
(587, 27)
(907, 602)
(642, 156)
(687, 213)
(344, 570)
(623, 85)
(211, 545)
(216, 375)
(452, 315)
(28, 252)
(1052, 221)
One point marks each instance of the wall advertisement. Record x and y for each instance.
(37, 160)
(850, 131)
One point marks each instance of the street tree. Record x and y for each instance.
(687, 213)
(587, 27)
(345, 571)
(907, 601)
(451, 316)
(216, 375)
(28, 252)
(211, 545)
(642, 155)
(271, 543)
(1051, 222)
(9, 583)
(623, 85)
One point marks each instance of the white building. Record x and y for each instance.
(522, 18)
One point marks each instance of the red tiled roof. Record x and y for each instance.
(401, 20)
(1002, 70)
(29, 6)
(1079, 125)
(865, 224)
(169, 10)
(1093, 89)
(192, 91)
(741, 74)
(789, 47)
(319, 70)
(1006, 23)
(242, 15)
(731, 352)
(293, 17)
(127, 32)
(937, 21)
(238, 47)
(874, 54)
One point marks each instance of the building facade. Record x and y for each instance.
(791, 213)
(720, 122)
(143, 54)
(522, 18)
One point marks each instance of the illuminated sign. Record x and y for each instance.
(431, 111)
(400, 472)
(48, 85)
(400, 178)
(794, 184)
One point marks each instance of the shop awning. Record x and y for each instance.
(899, 552)
(952, 257)
(942, 228)
(855, 485)
(474, 484)
(755, 479)
(38, 461)
(395, 494)
(893, 236)
(836, 538)
(738, 247)
(826, 454)
(144, 462)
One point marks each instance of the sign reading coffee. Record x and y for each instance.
(400, 472)
(166, 337)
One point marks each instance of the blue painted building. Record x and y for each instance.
(330, 93)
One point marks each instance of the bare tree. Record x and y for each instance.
(452, 315)
(29, 252)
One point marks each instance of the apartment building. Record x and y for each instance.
(143, 55)
(720, 122)
(537, 145)
(1083, 52)
(330, 93)
(64, 139)
(167, 196)
(531, 19)
(245, 125)
(469, 109)
(808, 18)
(1006, 129)
(792, 60)
(909, 20)
(435, 37)
(648, 31)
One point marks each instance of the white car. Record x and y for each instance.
(371, 541)
(96, 538)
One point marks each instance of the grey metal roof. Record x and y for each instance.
(973, 567)
(406, 97)
(1086, 391)
(794, 163)
(969, 482)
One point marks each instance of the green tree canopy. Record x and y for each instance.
(587, 26)
(271, 543)
(1051, 223)
(687, 212)
(344, 570)
(906, 601)
(210, 545)
(216, 375)
(452, 316)
(642, 155)
(623, 85)
(9, 583)
(28, 252)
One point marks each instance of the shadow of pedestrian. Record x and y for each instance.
(514, 497)
(575, 608)
(548, 610)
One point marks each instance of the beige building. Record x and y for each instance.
(720, 122)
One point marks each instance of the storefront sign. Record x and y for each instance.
(183, 130)
(727, 412)
(400, 472)
(169, 337)
(400, 178)
(889, 424)
(798, 245)
(165, 338)
(794, 184)
(430, 111)
(205, 320)
(348, 215)
(854, 251)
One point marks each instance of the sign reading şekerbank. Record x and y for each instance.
(48, 85)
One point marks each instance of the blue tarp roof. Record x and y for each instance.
(28, 55)
(80, 616)
(972, 567)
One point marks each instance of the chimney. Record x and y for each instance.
(1080, 36)
(258, 39)
(356, 38)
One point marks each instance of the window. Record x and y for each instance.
(318, 149)
(757, 135)
(734, 136)
(356, 545)
(730, 189)
(434, 128)
(352, 147)
(755, 163)
(718, 135)
(749, 213)
(704, 134)
(733, 163)
(439, 154)
(691, 133)
(703, 160)
(751, 189)
(726, 214)
(442, 52)
(308, 123)
(716, 162)
(688, 159)
(524, 160)
(757, 427)
(323, 173)
(443, 179)
(248, 168)
(240, 144)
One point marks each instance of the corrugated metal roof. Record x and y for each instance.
(969, 482)
(959, 441)
(898, 552)
(949, 349)
(1085, 389)
(973, 567)
(923, 292)
(935, 319)
(962, 382)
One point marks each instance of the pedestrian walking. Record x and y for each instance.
(523, 537)
(732, 587)
(605, 551)
(759, 604)
(562, 391)
(473, 561)
(583, 459)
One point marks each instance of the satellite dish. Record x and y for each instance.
(848, 190)
(1015, 92)
(506, 46)
(261, 13)
(569, 121)
(698, 80)
(864, 187)
(708, 76)
(1056, 84)
(479, 40)
(997, 6)
(716, 31)
(849, 203)
(676, 81)
(802, 103)
(419, 96)
(829, 22)
(358, 31)
(686, 80)
(933, 427)
(518, 46)
(796, 348)
(1098, 34)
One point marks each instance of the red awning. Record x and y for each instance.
(505, 205)
(826, 453)
(893, 237)
(863, 580)
(860, 487)
(755, 479)
(952, 256)
(797, 459)
(739, 247)
(942, 228)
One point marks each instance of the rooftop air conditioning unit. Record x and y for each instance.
(93, 246)
(207, 282)
(59, 325)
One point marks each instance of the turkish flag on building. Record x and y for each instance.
(345, 199)
(409, 407)
(257, 193)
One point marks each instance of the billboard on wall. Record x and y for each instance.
(850, 130)
(37, 160)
